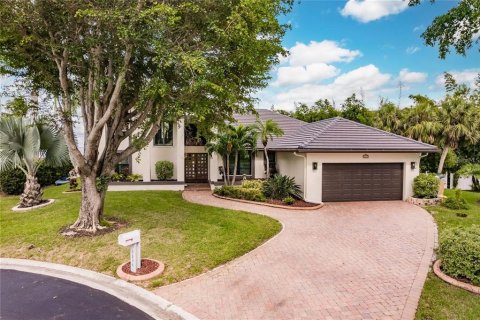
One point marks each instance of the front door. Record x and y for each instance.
(196, 167)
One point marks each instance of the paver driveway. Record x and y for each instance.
(362, 260)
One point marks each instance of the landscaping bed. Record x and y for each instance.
(279, 191)
(439, 299)
(188, 238)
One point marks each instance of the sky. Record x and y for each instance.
(366, 47)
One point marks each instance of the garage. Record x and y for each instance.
(362, 181)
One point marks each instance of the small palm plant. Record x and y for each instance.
(26, 145)
(280, 187)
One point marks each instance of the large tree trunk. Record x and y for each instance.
(32, 193)
(442, 159)
(91, 209)
(267, 162)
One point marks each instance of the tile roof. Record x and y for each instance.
(334, 135)
(288, 124)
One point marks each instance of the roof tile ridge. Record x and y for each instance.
(390, 133)
(330, 121)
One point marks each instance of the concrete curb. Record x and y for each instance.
(148, 302)
(453, 281)
(266, 204)
(411, 304)
(18, 209)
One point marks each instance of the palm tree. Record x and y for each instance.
(266, 131)
(421, 120)
(458, 119)
(244, 140)
(26, 145)
(222, 145)
(389, 118)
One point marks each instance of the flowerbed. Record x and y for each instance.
(278, 190)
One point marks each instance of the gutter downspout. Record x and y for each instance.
(304, 173)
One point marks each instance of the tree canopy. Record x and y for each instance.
(125, 66)
(458, 28)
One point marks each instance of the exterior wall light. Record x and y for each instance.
(315, 165)
(413, 165)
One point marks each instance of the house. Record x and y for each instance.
(332, 160)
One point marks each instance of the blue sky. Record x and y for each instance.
(368, 47)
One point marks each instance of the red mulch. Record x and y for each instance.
(146, 266)
(297, 203)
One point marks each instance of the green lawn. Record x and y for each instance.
(440, 300)
(188, 238)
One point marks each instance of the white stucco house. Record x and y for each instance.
(332, 160)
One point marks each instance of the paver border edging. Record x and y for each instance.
(411, 304)
(454, 282)
(270, 204)
(41, 205)
(145, 300)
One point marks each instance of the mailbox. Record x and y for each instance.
(129, 238)
(132, 239)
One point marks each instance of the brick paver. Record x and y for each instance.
(362, 260)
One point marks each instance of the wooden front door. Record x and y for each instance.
(196, 167)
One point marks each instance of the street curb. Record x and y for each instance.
(148, 302)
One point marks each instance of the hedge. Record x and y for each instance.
(460, 253)
(12, 181)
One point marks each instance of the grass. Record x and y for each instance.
(189, 238)
(440, 300)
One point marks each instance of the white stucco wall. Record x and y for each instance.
(292, 166)
(313, 184)
(258, 165)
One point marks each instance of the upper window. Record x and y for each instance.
(192, 138)
(164, 136)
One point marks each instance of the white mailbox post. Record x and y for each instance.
(132, 239)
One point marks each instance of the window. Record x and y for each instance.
(244, 165)
(272, 160)
(123, 167)
(164, 136)
(191, 136)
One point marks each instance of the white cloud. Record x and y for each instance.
(412, 77)
(419, 28)
(466, 76)
(301, 74)
(412, 50)
(369, 10)
(326, 51)
(367, 80)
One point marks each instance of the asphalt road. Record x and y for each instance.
(30, 296)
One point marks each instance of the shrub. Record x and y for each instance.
(73, 183)
(460, 253)
(288, 201)
(252, 184)
(279, 187)
(239, 192)
(456, 202)
(117, 176)
(12, 181)
(134, 177)
(47, 175)
(164, 170)
(425, 185)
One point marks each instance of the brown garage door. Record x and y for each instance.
(362, 181)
